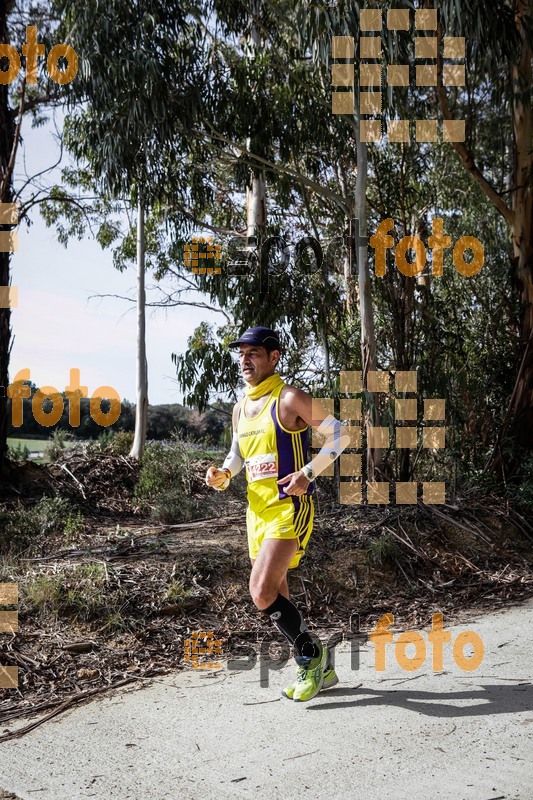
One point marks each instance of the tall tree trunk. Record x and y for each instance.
(522, 228)
(141, 409)
(255, 204)
(256, 212)
(368, 337)
(7, 134)
(325, 343)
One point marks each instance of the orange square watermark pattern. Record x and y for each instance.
(200, 645)
(201, 254)
(9, 678)
(405, 435)
(372, 73)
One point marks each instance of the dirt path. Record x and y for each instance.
(219, 734)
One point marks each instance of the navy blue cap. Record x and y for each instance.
(260, 336)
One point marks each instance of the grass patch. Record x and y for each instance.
(31, 444)
(383, 549)
(83, 593)
(20, 526)
(43, 594)
(178, 592)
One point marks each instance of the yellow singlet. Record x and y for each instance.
(271, 452)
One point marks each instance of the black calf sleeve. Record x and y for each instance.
(290, 622)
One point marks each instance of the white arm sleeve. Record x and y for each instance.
(234, 461)
(337, 440)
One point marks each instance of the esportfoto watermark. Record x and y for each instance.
(32, 50)
(271, 256)
(19, 390)
(198, 657)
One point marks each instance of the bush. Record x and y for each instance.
(164, 484)
(56, 445)
(382, 549)
(120, 444)
(105, 439)
(164, 466)
(73, 526)
(19, 527)
(51, 514)
(18, 453)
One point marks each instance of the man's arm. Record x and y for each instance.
(233, 463)
(301, 406)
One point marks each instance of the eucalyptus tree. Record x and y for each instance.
(267, 112)
(497, 152)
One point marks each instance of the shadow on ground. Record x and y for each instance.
(487, 700)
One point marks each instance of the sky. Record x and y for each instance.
(59, 324)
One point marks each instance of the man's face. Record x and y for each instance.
(256, 365)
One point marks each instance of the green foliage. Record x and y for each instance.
(383, 549)
(52, 514)
(83, 593)
(20, 526)
(120, 443)
(105, 438)
(73, 527)
(19, 452)
(164, 485)
(134, 98)
(177, 592)
(162, 466)
(55, 446)
(206, 366)
(16, 530)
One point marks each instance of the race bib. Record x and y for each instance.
(263, 466)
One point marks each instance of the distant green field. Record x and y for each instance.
(207, 453)
(32, 444)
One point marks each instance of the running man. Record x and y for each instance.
(270, 437)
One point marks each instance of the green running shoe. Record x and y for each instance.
(310, 676)
(330, 679)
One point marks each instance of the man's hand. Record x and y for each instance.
(298, 483)
(215, 477)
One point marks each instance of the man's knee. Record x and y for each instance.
(262, 590)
